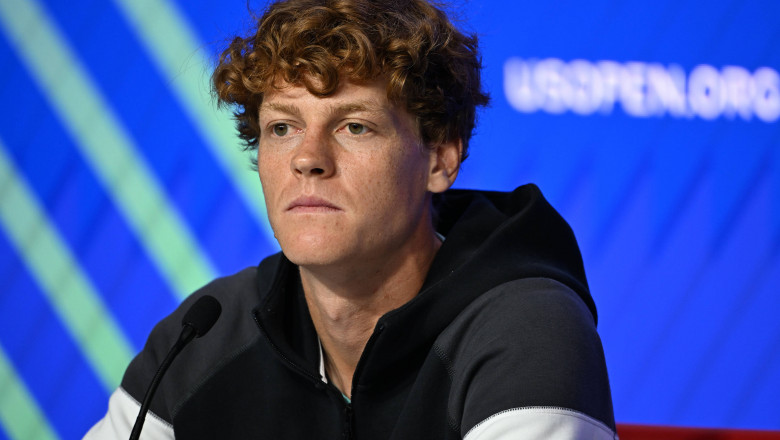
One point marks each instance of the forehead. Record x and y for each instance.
(365, 96)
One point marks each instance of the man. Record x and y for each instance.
(398, 309)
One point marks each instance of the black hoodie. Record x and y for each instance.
(500, 341)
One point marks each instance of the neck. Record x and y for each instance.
(345, 306)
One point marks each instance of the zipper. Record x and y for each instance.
(348, 434)
(380, 327)
(348, 412)
(348, 421)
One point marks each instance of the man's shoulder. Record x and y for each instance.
(527, 307)
(535, 326)
(234, 331)
(526, 344)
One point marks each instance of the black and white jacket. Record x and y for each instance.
(500, 343)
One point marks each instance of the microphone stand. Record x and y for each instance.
(197, 322)
(187, 334)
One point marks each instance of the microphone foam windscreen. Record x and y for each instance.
(202, 315)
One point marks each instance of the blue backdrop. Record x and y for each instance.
(652, 126)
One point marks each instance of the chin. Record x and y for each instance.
(311, 251)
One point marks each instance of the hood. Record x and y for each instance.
(494, 237)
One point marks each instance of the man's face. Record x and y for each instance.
(345, 177)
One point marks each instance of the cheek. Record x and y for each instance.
(410, 172)
(271, 163)
(270, 175)
(398, 186)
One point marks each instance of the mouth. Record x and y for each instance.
(311, 204)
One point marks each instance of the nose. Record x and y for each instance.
(314, 156)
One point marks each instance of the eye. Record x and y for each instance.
(280, 129)
(355, 128)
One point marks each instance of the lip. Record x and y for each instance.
(311, 204)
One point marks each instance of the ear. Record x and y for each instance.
(445, 164)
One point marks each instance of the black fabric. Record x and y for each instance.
(538, 349)
(503, 320)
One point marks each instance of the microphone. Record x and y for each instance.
(197, 322)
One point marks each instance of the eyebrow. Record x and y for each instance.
(369, 106)
(290, 109)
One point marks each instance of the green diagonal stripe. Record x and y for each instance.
(19, 413)
(106, 146)
(67, 288)
(175, 49)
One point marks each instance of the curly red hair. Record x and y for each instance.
(433, 69)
